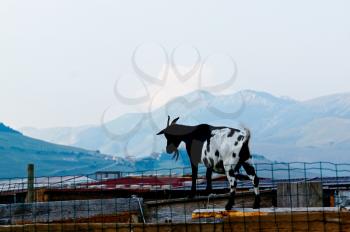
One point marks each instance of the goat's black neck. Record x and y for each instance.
(200, 132)
(184, 132)
(194, 139)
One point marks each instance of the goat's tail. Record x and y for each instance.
(247, 131)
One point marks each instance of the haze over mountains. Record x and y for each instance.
(283, 129)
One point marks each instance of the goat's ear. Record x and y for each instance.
(168, 121)
(174, 121)
(160, 132)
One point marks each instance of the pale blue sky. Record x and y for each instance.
(59, 59)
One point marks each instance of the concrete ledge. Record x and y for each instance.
(249, 212)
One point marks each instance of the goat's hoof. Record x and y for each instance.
(256, 203)
(227, 207)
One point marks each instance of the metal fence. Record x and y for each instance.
(294, 197)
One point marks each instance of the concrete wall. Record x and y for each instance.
(43, 212)
(302, 194)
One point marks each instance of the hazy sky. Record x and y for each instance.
(59, 60)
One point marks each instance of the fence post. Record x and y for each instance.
(30, 184)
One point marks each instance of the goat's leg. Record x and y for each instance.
(233, 184)
(250, 170)
(231, 200)
(194, 180)
(209, 180)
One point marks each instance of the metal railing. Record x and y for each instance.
(298, 195)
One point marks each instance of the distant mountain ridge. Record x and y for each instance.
(4, 128)
(17, 151)
(283, 129)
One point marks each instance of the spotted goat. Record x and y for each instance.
(223, 150)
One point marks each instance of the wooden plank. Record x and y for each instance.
(313, 221)
(248, 226)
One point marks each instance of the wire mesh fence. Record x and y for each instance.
(294, 197)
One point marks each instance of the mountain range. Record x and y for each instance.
(283, 129)
(17, 150)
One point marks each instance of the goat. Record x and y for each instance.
(223, 150)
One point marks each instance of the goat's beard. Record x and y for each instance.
(176, 155)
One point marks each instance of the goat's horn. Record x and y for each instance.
(168, 121)
(175, 120)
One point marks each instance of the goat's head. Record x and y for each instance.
(173, 138)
